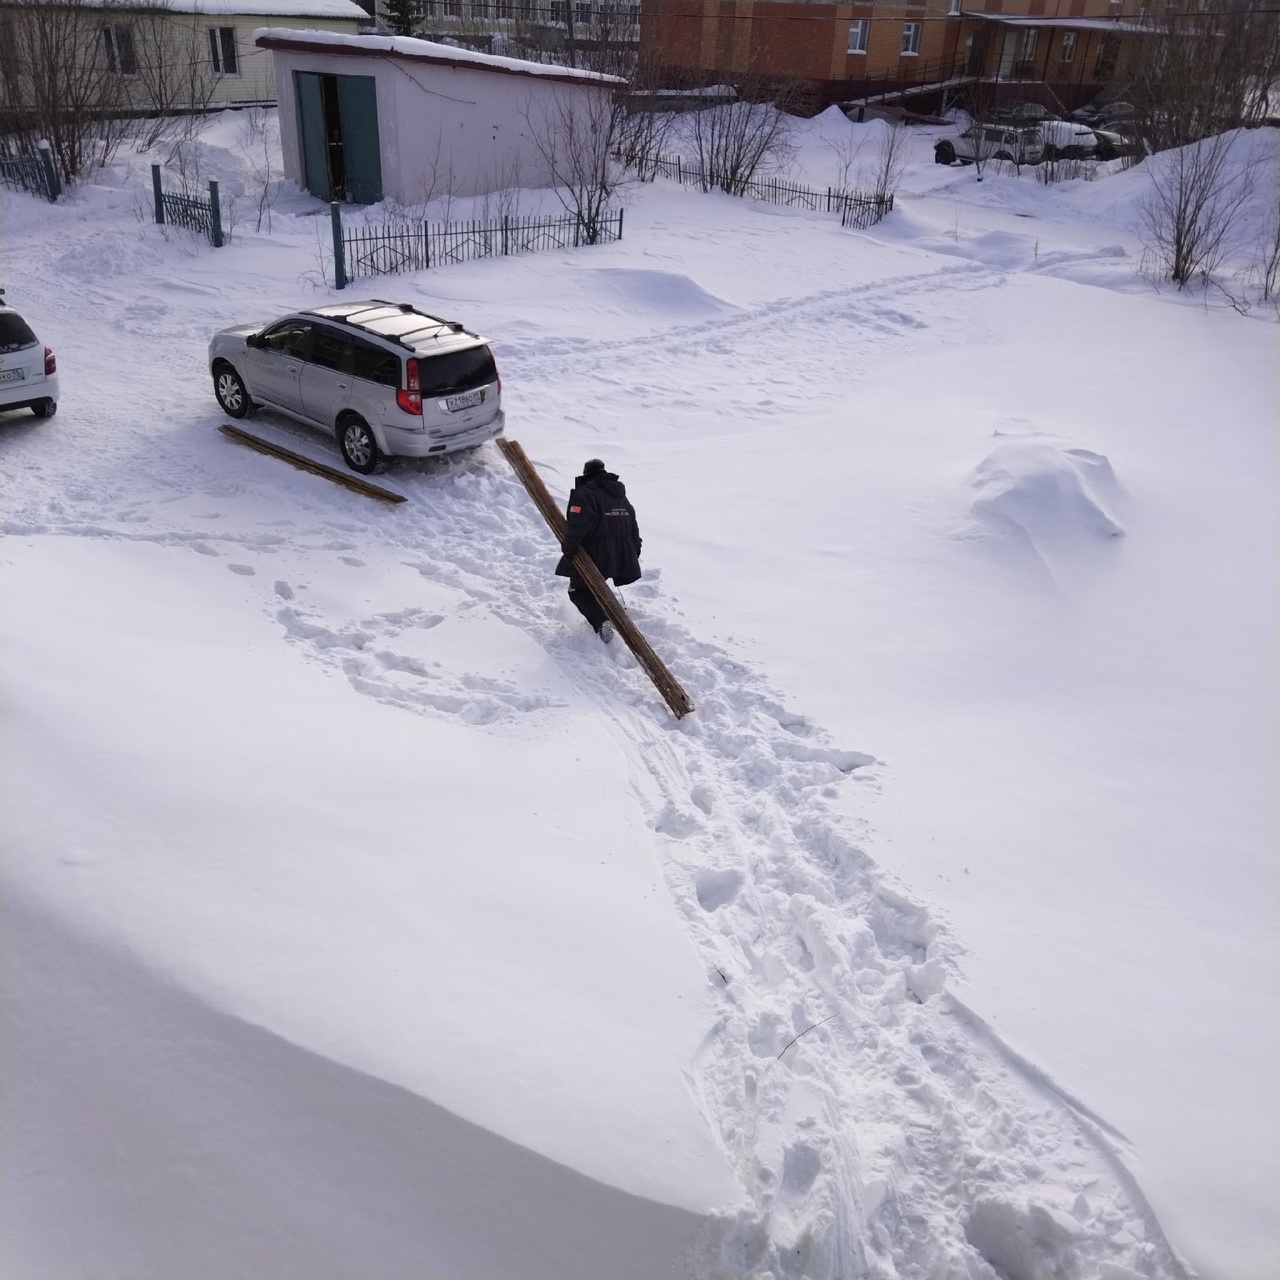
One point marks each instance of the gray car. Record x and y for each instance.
(387, 379)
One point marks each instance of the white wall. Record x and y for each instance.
(442, 130)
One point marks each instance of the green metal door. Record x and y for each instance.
(358, 103)
(315, 163)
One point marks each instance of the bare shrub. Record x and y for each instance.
(573, 135)
(257, 138)
(890, 160)
(734, 143)
(1189, 215)
(641, 131)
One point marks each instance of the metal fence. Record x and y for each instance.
(394, 248)
(856, 209)
(204, 216)
(32, 171)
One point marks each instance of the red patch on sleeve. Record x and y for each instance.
(575, 511)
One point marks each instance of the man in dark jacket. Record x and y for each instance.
(600, 521)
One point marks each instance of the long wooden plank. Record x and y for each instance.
(344, 478)
(666, 684)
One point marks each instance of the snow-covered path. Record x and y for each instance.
(850, 1115)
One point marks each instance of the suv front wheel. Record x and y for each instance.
(231, 392)
(358, 446)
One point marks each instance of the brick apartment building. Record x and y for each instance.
(912, 52)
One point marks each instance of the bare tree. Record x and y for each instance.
(1190, 213)
(641, 128)
(574, 135)
(1268, 256)
(846, 147)
(1202, 70)
(65, 75)
(175, 80)
(890, 160)
(733, 143)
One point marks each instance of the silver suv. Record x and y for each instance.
(388, 379)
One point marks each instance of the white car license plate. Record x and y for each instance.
(12, 375)
(467, 401)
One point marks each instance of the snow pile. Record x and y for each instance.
(1054, 497)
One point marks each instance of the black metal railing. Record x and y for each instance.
(31, 171)
(391, 249)
(856, 208)
(190, 212)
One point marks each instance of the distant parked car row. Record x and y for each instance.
(1027, 134)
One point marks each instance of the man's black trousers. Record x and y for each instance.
(585, 602)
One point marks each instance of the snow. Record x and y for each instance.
(365, 916)
(432, 51)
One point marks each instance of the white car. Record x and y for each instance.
(28, 369)
(1066, 138)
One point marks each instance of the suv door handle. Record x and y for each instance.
(342, 386)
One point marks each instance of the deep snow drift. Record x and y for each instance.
(364, 916)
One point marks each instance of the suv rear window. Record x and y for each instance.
(15, 332)
(457, 371)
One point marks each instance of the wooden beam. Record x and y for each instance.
(344, 478)
(666, 684)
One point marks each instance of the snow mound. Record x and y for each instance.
(1056, 497)
(666, 291)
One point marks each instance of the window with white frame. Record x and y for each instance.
(222, 51)
(1068, 46)
(858, 35)
(911, 38)
(582, 12)
(953, 8)
(559, 10)
(117, 40)
(1029, 43)
(453, 8)
(504, 10)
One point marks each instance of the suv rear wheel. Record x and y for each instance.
(359, 448)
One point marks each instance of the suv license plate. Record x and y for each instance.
(12, 375)
(467, 401)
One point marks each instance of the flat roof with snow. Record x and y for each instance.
(411, 49)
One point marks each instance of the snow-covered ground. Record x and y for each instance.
(364, 916)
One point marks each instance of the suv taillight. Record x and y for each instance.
(50, 361)
(410, 399)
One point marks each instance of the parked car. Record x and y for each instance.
(991, 142)
(1067, 138)
(28, 369)
(1112, 144)
(1021, 113)
(387, 379)
(1105, 115)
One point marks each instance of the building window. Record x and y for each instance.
(858, 35)
(453, 8)
(504, 10)
(559, 11)
(117, 39)
(582, 12)
(1068, 46)
(480, 9)
(1029, 43)
(911, 38)
(222, 51)
(953, 8)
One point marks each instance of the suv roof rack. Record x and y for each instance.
(410, 310)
